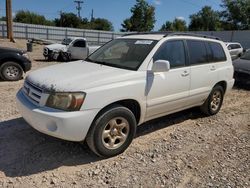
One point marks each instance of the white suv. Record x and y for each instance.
(126, 82)
(235, 49)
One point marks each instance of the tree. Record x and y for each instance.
(127, 25)
(142, 19)
(68, 20)
(179, 25)
(236, 14)
(3, 18)
(167, 26)
(176, 25)
(31, 18)
(205, 20)
(98, 24)
(71, 20)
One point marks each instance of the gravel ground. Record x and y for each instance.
(185, 149)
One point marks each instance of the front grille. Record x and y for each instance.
(33, 92)
(46, 51)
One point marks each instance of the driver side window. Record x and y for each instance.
(80, 44)
(172, 51)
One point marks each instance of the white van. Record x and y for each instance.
(126, 82)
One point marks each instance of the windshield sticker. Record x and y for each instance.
(145, 42)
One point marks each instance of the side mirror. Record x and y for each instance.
(161, 66)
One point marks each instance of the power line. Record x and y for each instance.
(79, 7)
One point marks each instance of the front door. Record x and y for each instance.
(78, 50)
(168, 91)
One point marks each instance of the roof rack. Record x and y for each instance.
(170, 33)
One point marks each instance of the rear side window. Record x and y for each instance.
(197, 52)
(218, 53)
(172, 51)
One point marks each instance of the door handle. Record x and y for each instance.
(185, 73)
(213, 68)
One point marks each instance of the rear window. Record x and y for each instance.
(197, 52)
(234, 46)
(218, 53)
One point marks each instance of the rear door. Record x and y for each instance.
(78, 49)
(205, 59)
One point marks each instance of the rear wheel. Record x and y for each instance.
(214, 101)
(11, 71)
(112, 132)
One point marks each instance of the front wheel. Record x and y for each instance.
(214, 101)
(11, 71)
(112, 132)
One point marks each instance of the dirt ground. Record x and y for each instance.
(185, 149)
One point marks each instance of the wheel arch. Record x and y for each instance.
(133, 105)
(223, 84)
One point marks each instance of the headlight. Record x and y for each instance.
(66, 101)
(26, 56)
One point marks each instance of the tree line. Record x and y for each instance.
(234, 16)
(65, 20)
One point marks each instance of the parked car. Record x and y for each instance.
(126, 82)
(242, 68)
(235, 49)
(70, 48)
(13, 63)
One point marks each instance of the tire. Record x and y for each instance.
(64, 56)
(11, 71)
(112, 131)
(213, 103)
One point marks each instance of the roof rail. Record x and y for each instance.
(192, 35)
(170, 33)
(147, 33)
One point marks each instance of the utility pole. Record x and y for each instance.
(79, 7)
(61, 21)
(92, 15)
(9, 20)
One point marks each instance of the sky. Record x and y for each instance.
(113, 10)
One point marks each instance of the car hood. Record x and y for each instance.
(241, 65)
(78, 76)
(13, 50)
(57, 47)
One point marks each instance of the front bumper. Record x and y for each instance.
(27, 65)
(230, 85)
(72, 126)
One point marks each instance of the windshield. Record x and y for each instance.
(66, 41)
(246, 55)
(123, 53)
